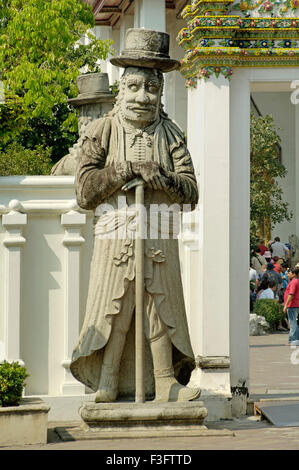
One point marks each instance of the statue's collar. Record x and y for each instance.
(135, 131)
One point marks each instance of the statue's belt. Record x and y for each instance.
(123, 224)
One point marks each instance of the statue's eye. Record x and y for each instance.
(152, 89)
(133, 87)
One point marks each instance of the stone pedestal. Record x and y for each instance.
(129, 419)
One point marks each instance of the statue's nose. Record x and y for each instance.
(142, 96)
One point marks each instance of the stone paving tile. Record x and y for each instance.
(247, 437)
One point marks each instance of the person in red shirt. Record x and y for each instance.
(277, 265)
(262, 247)
(291, 304)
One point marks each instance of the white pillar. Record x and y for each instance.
(150, 14)
(14, 222)
(113, 71)
(72, 221)
(209, 144)
(127, 22)
(297, 165)
(104, 33)
(239, 239)
(175, 95)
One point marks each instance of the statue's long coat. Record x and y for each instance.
(100, 175)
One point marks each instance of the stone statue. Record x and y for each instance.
(94, 101)
(68, 164)
(135, 140)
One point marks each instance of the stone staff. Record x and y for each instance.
(138, 183)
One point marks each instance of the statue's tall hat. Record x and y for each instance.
(146, 48)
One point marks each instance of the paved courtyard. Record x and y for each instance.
(274, 372)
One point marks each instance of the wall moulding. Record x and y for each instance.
(212, 362)
(37, 194)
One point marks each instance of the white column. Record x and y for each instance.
(239, 239)
(113, 71)
(13, 222)
(297, 165)
(209, 144)
(104, 33)
(127, 22)
(72, 221)
(150, 14)
(175, 95)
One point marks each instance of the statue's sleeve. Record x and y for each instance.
(181, 184)
(95, 182)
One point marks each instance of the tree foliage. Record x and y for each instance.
(41, 56)
(18, 160)
(267, 207)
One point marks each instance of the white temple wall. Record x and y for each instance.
(279, 105)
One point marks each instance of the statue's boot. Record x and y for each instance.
(108, 386)
(167, 387)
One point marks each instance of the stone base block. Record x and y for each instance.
(218, 406)
(128, 419)
(24, 424)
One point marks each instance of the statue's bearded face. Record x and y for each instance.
(141, 95)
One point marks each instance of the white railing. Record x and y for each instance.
(46, 244)
(45, 247)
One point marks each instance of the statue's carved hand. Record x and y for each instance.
(124, 170)
(151, 173)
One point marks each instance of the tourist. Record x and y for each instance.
(264, 269)
(291, 304)
(285, 280)
(268, 256)
(253, 277)
(262, 247)
(270, 274)
(257, 260)
(277, 265)
(263, 285)
(268, 292)
(280, 250)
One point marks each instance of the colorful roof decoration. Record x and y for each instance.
(223, 34)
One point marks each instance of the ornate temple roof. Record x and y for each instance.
(108, 12)
(223, 34)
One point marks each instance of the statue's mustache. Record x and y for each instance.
(150, 107)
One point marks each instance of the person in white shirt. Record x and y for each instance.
(258, 261)
(279, 249)
(268, 293)
(253, 276)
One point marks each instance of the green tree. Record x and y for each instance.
(17, 160)
(40, 59)
(267, 207)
